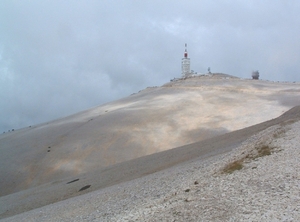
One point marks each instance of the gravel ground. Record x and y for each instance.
(156, 119)
(263, 184)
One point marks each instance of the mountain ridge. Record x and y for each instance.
(155, 119)
(135, 169)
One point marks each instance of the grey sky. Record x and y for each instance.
(61, 57)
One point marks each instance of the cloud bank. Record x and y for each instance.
(61, 57)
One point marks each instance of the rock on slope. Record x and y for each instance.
(153, 120)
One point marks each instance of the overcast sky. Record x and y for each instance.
(61, 57)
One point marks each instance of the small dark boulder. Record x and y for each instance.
(72, 181)
(84, 188)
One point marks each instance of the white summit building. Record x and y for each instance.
(185, 64)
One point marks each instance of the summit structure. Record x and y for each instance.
(185, 64)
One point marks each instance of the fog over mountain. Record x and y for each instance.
(62, 57)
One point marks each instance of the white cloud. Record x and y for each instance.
(59, 57)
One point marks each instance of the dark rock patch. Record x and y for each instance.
(84, 188)
(73, 181)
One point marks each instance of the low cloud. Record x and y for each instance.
(61, 57)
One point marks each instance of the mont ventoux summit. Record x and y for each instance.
(197, 115)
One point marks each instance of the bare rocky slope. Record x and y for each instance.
(62, 156)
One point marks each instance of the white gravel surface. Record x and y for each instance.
(267, 188)
(156, 119)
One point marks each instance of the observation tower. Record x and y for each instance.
(185, 64)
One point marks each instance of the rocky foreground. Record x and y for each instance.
(259, 180)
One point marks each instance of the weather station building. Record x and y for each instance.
(185, 64)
